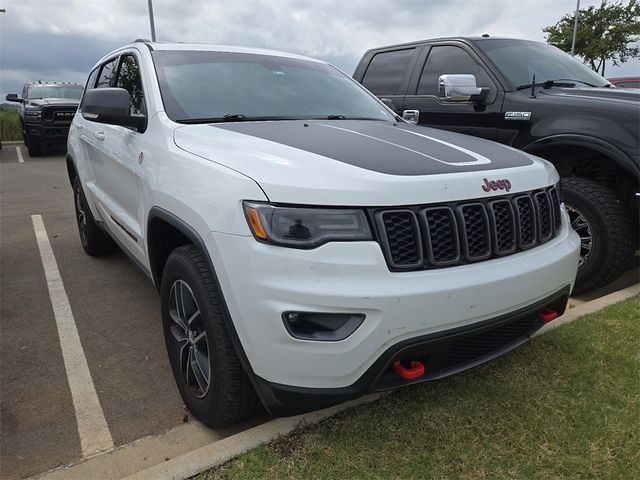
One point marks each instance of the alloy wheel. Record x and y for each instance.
(81, 216)
(189, 339)
(580, 224)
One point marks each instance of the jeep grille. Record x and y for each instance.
(423, 237)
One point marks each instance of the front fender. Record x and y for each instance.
(607, 149)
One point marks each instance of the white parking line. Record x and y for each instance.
(92, 426)
(19, 152)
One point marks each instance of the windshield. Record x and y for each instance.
(220, 86)
(519, 60)
(55, 91)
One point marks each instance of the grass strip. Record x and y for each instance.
(565, 405)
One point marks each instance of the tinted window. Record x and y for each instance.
(386, 71)
(129, 79)
(107, 74)
(207, 86)
(449, 60)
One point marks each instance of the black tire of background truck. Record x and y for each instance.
(230, 396)
(610, 229)
(34, 150)
(94, 241)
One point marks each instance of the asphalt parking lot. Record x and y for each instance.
(117, 315)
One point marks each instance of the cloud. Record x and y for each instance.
(48, 39)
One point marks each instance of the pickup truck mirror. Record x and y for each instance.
(12, 97)
(111, 106)
(460, 88)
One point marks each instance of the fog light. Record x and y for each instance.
(327, 327)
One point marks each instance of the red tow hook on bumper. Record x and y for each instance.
(415, 370)
(547, 314)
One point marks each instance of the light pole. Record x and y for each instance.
(575, 27)
(151, 22)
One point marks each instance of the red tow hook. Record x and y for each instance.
(415, 370)
(547, 314)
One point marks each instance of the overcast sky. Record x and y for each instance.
(62, 39)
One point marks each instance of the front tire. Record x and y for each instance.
(605, 232)
(94, 241)
(34, 150)
(206, 368)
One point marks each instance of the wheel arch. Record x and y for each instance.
(554, 148)
(159, 216)
(72, 172)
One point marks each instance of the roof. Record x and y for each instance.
(40, 82)
(469, 39)
(225, 48)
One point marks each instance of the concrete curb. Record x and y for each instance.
(216, 452)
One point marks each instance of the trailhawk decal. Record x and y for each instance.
(382, 147)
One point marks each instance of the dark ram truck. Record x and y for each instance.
(46, 112)
(538, 99)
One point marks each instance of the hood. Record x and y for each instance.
(368, 163)
(40, 102)
(617, 95)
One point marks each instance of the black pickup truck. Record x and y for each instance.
(536, 98)
(46, 112)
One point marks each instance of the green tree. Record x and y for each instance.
(607, 32)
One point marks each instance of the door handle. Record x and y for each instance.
(99, 135)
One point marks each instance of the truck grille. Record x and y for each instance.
(58, 114)
(435, 236)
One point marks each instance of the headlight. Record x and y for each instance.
(305, 227)
(32, 115)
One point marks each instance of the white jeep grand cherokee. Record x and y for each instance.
(308, 245)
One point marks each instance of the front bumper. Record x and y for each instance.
(39, 133)
(442, 354)
(261, 281)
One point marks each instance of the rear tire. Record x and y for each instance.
(205, 365)
(605, 231)
(94, 241)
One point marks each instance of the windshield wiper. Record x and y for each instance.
(546, 84)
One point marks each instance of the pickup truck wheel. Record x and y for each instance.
(94, 241)
(605, 232)
(34, 150)
(206, 368)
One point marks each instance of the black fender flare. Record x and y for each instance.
(72, 171)
(198, 241)
(605, 148)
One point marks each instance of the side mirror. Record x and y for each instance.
(112, 106)
(460, 88)
(12, 97)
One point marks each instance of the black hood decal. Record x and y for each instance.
(382, 147)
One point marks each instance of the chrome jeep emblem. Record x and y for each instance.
(502, 184)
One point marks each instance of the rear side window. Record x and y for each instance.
(129, 79)
(445, 60)
(107, 74)
(386, 71)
